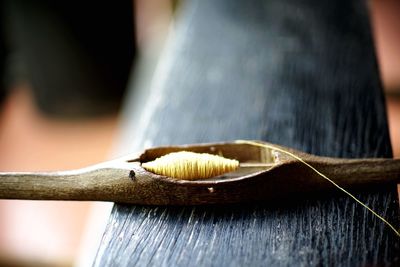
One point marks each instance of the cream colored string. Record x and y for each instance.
(189, 165)
(323, 176)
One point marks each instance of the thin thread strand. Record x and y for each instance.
(323, 176)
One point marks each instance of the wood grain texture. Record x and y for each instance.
(94, 184)
(297, 73)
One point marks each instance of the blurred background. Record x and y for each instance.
(65, 73)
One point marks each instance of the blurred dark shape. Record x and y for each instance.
(76, 55)
(2, 56)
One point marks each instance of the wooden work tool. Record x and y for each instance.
(266, 171)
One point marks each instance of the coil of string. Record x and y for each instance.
(189, 165)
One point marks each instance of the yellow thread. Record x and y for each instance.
(323, 176)
(189, 166)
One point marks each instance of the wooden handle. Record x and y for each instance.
(349, 172)
(83, 184)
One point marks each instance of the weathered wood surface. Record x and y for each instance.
(297, 73)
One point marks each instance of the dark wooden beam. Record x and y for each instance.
(295, 72)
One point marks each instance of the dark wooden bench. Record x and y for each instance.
(297, 73)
